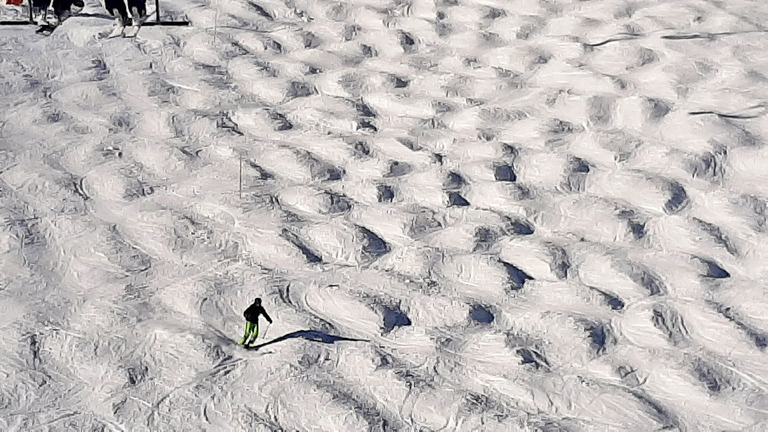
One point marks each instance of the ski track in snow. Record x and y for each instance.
(462, 215)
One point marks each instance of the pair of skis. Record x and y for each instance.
(46, 29)
(47, 25)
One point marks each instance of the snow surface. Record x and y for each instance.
(463, 215)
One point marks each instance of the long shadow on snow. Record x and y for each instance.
(310, 335)
(94, 15)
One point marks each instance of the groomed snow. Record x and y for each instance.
(519, 215)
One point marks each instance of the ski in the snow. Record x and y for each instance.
(132, 31)
(46, 25)
(46, 29)
(136, 22)
(117, 31)
(257, 349)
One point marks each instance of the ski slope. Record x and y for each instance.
(463, 215)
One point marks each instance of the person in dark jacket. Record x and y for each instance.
(62, 9)
(252, 321)
(118, 9)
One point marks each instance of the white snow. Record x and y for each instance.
(461, 214)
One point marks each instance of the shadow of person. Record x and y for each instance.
(311, 335)
(93, 15)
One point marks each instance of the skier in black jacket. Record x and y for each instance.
(118, 9)
(252, 321)
(62, 9)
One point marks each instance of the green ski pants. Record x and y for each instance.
(251, 333)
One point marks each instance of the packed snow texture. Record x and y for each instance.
(498, 215)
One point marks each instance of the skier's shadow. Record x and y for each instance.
(93, 15)
(311, 335)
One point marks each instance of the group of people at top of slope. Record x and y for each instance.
(62, 9)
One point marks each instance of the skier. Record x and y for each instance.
(252, 321)
(62, 9)
(118, 9)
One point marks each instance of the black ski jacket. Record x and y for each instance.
(252, 314)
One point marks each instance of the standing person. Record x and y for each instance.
(252, 321)
(62, 9)
(119, 10)
(138, 10)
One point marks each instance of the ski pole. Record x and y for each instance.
(266, 330)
